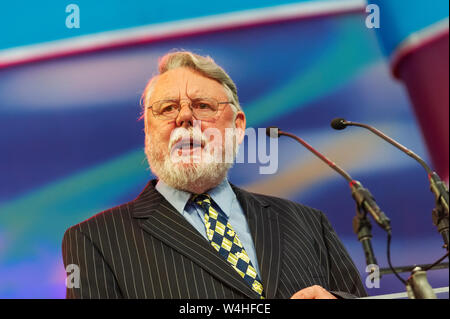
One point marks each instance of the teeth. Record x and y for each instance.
(189, 144)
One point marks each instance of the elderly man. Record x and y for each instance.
(191, 233)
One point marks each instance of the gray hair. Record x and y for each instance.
(201, 64)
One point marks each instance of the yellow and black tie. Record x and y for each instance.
(223, 238)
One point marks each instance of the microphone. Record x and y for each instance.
(438, 188)
(338, 124)
(272, 131)
(364, 200)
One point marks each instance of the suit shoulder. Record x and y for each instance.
(100, 219)
(292, 211)
(283, 202)
(305, 218)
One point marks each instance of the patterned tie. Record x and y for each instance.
(223, 238)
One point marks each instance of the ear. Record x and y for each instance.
(240, 125)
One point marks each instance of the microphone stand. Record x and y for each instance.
(365, 202)
(362, 228)
(440, 214)
(418, 287)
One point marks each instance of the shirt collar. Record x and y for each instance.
(176, 197)
(222, 194)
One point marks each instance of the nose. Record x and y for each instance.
(185, 117)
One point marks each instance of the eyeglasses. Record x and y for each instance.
(202, 108)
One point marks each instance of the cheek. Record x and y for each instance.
(161, 133)
(217, 131)
(217, 137)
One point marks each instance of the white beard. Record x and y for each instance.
(191, 174)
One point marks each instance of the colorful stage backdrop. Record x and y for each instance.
(71, 144)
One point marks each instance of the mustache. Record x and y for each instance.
(193, 135)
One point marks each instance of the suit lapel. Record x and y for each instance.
(264, 226)
(160, 219)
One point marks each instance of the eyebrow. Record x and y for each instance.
(190, 98)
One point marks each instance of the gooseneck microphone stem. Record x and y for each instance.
(364, 202)
(394, 143)
(440, 214)
(319, 155)
(362, 196)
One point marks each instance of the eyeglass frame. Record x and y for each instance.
(190, 107)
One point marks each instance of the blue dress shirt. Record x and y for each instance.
(226, 199)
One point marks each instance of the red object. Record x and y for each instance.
(425, 71)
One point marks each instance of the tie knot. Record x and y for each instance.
(201, 199)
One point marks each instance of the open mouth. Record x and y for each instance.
(187, 145)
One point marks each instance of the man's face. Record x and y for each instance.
(185, 85)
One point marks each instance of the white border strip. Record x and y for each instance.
(417, 40)
(148, 33)
(403, 294)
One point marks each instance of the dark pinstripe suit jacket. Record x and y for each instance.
(146, 249)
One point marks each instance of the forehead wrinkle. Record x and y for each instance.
(193, 92)
(186, 89)
(197, 92)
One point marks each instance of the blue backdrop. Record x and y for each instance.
(71, 143)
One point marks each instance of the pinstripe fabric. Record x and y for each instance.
(146, 249)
